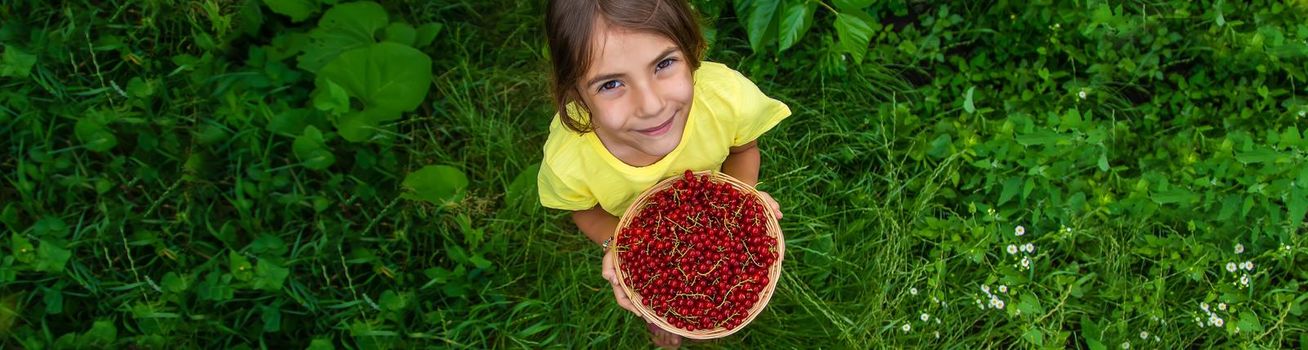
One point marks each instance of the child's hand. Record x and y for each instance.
(772, 203)
(610, 273)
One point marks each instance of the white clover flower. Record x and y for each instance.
(1012, 249)
(1069, 230)
(1144, 335)
(1019, 231)
(937, 334)
(1026, 262)
(937, 320)
(1248, 266)
(1081, 94)
(1244, 280)
(1221, 306)
(1204, 306)
(912, 291)
(985, 288)
(934, 300)
(1239, 248)
(1126, 345)
(925, 317)
(906, 327)
(1230, 267)
(1218, 321)
(997, 303)
(1003, 288)
(1029, 247)
(1156, 339)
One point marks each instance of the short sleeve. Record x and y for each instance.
(555, 192)
(756, 113)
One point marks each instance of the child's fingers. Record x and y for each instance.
(622, 299)
(772, 203)
(607, 271)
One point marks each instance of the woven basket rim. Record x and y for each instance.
(774, 271)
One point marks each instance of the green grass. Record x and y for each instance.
(890, 182)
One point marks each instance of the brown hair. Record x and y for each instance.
(569, 25)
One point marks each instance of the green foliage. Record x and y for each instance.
(322, 174)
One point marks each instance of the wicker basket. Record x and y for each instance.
(774, 272)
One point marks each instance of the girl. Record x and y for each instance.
(636, 105)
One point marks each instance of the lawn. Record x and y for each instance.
(1046, 174)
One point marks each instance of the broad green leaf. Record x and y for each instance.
(1249, 322)
(344, 27)
(1174, 195)
(268, 276)
(50, 226)
(312, 151)
(392, 301)
(140, 87)
(1042, 137)
(330, 97)
(436, 184)
(1034, 336)
(1092, 333)
(426, 33)
(268, 245)
(174, 283)
(385, 75)
(51, 257)
(215, 287)
(95, 136)
(523, 187)
(359, 126)
(1030, 305)
(54, 300)
(968, 104)
(389, 78)
(401, 33)
(272, 318)
(1290, 137)
(1297, 201)
(852, 5)
(796, 19)
(103, 333)
(16, 63)
(22, 248)
(1103, 161)
(297, 10)
(759, 21)
(855, 32)
(239, 266)
(291, 121)
(321, 344)
(1011, 187)
(1260, 155)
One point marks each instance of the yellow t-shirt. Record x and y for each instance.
(728, 110)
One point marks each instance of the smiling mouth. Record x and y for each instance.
(659, 128)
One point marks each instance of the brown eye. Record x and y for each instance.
(611, 84)
(664, 64)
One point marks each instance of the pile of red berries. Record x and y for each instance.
(698, 253)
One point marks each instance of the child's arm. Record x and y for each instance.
(742, 164)
(597, 224)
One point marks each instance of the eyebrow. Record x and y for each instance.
(605, 77)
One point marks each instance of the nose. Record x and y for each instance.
(651, 101)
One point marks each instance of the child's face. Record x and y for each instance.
(639, 90)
